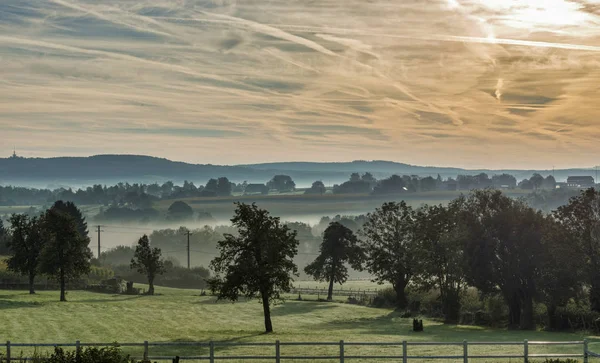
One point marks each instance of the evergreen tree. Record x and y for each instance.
(66, 255)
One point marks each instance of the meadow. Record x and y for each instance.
(310, 208)
(177, 315)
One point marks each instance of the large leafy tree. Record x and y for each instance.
(71, 209)
(388, 244)
(66, 255)
(258, 262)
(25, 247)
(504, 251)
(3, 238)
(339, 247)
(282, 183)
(561, 279)
(180, 211)
(439, 238)
(581, 219)
(148, 261)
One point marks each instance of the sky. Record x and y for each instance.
(465, 83)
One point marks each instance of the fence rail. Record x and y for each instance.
(336, 292)
(341, 356)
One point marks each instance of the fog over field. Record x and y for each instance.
(489, 83)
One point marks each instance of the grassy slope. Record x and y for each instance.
(178, 315)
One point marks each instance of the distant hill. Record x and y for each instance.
(107, 169)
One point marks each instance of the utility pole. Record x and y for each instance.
(99, 230)
(188, 233)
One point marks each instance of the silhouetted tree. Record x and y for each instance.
(581, 219)
(504, 180)
(561, 279)
(3, 238)
(354, 177)
(526, 184)
(65, 255)
(391, 185)
(71, 209)
(282, 183)
(504, 251)
(438, 246)
(536, 181)
(223, 187)
(388, 245)
(549, 183)
(258, 262)
(179, 211)
(317, 188)
(350, 187)
(428, 184)
(148, 261)
(25, 247)
(339, 247)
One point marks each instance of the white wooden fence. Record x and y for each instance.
(273, 350)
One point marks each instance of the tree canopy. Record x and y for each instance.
(180, 211)
(282, 183)
(258, 262)
(71, 209)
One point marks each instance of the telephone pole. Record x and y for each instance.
(98, 227)
(188, 233)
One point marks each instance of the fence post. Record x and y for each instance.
(465, 351)
(585, 351)
(211, 352)
(404, 352)
(77, 348)
(277, 352)
(145, 350)
(8, 351)
(525, 351)
(341, 351)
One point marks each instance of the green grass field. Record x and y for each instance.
(182, 315)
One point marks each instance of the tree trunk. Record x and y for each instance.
(514, 311)
(151, 287)
(63, 296)
(267, 312)
(527, 320)
(451, 306)
(330, 291)
(401, 298)
(595, 294)
(553, 323)
(31, 287)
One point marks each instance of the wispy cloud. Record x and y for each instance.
(498, 83)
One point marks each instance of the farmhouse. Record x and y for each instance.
(580, 182)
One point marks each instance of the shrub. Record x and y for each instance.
(386, 298)
(88, 355)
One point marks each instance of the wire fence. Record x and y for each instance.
(339, 351)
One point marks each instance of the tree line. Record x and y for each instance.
(483, 240)
(142, 196)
